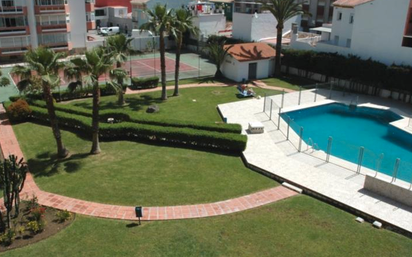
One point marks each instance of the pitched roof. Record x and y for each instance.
(350, 3)
(251, 51)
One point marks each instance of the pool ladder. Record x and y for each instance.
(354, 103)
(312, 145)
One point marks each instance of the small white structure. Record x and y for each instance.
(256, 127)
(258, 26)
(207, 18)
(359, 29)
(248, 61)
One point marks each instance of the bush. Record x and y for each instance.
(36, 226)
(37, 213)
(143, 83)
(63, 216)
(8, 237)
(14, 98)
(128, 130)
(19, 110)
(122, 115)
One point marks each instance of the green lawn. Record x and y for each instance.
(182, 107)
(289, 82)
(299, 226)
(131, 173)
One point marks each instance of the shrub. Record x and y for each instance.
(37, 213)
(143, 83)
(33, 227)
(63, 216)
(123, 115)
(19, 110)
(129, 130)
(14, 98)
(8, 237)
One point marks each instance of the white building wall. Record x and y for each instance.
(78, 23)
(251, 27)
(210, 24)
(239, 71)
(377, 33)
(342, 28)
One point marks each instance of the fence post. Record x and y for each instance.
(328, 151)
(283, 98)
(330, 89)
(360, 159)
(264, 103)
(378, 165)
(316, 92)
(271, 103)
(300, 138)
(300, 94)
(287, 131)
(280, 110)
(395, 170)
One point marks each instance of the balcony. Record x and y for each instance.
(17, 30)
(14, 45)
(5, 10)
(62, 27)
(53, 6)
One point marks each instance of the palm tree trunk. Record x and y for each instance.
(62, 152)
(120, 100)
(177, 66)
(95, 119)
(163, 65)
(278, 63)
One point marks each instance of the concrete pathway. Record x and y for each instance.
(336, 180)
(9, 145)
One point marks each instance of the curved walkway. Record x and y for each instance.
(9, 145)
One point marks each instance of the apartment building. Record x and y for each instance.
(58, 24)
(321, 12)
(358, 28)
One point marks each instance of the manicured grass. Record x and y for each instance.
(131, 173)
(289, 82)
(299, 226)
(197, 104)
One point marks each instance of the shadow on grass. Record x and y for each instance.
(47, 164)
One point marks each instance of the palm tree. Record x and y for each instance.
(117, 77)
(42, 69)
(217, 53)
(283, 10)
(180, 24)
(4, 82)
(119, 48)
(159, 23)
(96, 63)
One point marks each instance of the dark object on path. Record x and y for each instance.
(152, 109)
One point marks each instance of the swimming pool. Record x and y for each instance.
(355, 127)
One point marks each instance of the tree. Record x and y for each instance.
(96, 63)
(12, 176)
(283, 10)
(217, 53)
(41, 73)
(118, 46)
(181, 23)
(117, 77)
(4, 82)
(159, 23)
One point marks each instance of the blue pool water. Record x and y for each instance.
(352, 128)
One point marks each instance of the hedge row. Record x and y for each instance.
(128, 130)
(65, 95)
(144, 83)
(123, 115)
(366, 72)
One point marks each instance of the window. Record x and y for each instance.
(336, 40)
(339, 16)
(348, 42)
(351, 18)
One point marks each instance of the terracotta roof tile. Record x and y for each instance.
(350, 3)
(251, 51)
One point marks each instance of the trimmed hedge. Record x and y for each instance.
(122, 116)
(65, 95)
(144, 83)
(128, 130)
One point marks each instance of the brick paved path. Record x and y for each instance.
(9, 145)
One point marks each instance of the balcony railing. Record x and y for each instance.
(11, 9)
(15, 42)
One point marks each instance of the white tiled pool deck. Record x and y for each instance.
(337, 179)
